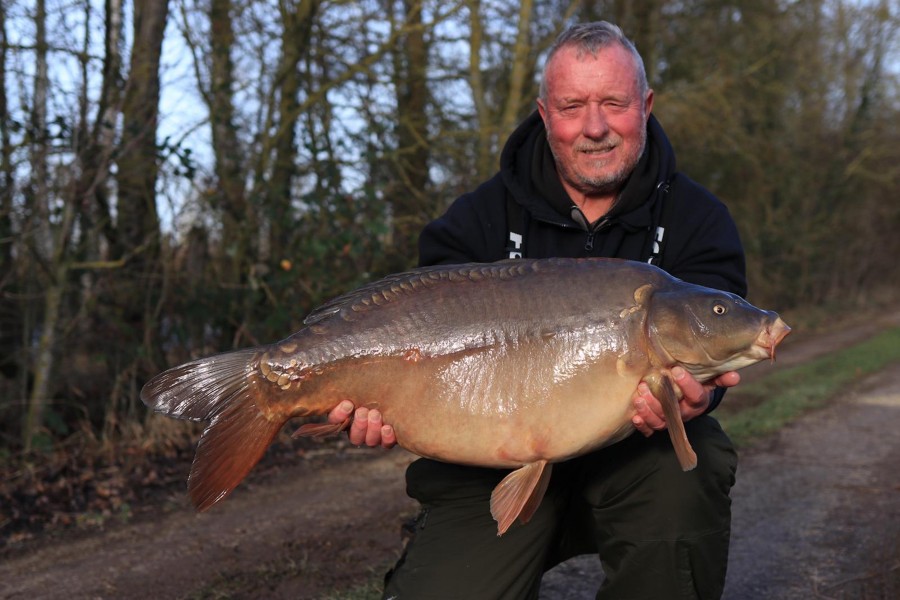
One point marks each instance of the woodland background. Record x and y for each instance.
(180, 177)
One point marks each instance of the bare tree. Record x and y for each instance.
(408, 195)
(41, 242)
(137, 221)
(296, 39)
(504, 86)
(10, 320)
(99, 137)
(6, 174)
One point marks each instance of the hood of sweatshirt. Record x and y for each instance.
(529, 173)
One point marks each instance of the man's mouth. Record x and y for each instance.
(596, 149)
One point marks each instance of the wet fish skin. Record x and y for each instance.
(441, 351)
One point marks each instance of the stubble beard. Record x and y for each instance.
(609, 183)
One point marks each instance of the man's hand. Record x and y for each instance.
(695, 399)
(367, 427)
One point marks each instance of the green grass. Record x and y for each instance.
(765, 406)
(367, 591)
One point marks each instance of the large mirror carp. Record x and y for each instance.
(516, 364)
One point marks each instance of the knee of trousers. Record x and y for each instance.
(638, 485)
(456, 552)
(434, 482)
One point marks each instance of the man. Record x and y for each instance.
(590, 174)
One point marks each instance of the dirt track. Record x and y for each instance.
(816, 508)
(301, 536)
(816, 515)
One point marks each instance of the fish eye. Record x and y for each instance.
(720, 309)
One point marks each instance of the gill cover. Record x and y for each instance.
(696, 325)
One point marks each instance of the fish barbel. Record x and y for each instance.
(516, 364)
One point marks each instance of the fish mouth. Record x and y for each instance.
(771, 336)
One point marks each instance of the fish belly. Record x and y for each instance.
(502, 406)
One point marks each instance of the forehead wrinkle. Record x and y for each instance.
(606, 72)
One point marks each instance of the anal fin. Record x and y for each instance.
(519, 494)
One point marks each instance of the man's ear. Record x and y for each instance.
(542, 111)
(648, 103)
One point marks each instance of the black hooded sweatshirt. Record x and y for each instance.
(660, 216)
(700, 240)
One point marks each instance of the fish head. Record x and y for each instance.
(710, 332)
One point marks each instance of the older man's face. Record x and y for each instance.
(596, 118)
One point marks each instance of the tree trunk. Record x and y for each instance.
(11, 332)
(138, 223)
(137, 217)
(484, 145)
(45, 357)
(408, 196)
(295, 41)
(513, 82)
(644, 32)
(100, 144)
(6, 170)
(40, 223)
(229, 196)
(521, 67)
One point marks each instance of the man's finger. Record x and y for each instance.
(359, 427)
(729, 379)
(373, 430)
(341, 412)
(645, 419)
(388, 437)
(693, 391)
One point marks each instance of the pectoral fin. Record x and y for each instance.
(668, 397)
(519, 494)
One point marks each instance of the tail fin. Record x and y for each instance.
(223, 390)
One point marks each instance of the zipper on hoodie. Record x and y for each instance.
(592, 231)
(578, 216)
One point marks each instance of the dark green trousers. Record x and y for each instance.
(659, 532)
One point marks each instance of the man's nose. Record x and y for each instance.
(595, 123)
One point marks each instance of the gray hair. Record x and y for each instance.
(592, 38)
